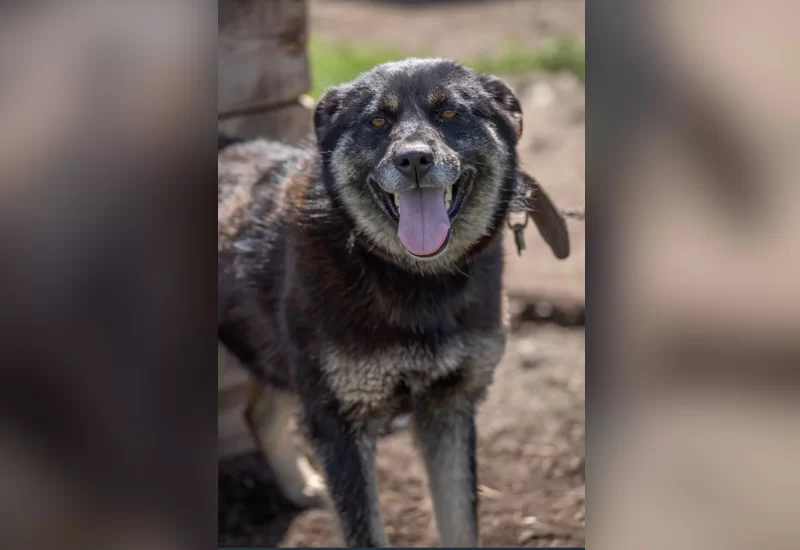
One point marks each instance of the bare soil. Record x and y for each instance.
(531, 447)
(454, 29)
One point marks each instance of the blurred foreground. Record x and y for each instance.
(694, 424)
(106, 409)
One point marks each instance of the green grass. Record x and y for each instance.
(334, 63)
(563, 54)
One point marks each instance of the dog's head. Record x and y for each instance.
(421, 155)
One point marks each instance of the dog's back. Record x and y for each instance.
(253, 183)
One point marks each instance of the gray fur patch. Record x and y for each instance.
(366, 449)
(445, 437)
(366, 384)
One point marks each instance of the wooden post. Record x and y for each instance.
(262, 74)
(263, 69)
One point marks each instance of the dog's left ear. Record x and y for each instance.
(505, 101)
(549, 221)
(326, 112)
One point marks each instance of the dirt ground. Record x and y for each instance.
(531, 428)
(456, 29)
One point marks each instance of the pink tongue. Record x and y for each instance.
(424, 223)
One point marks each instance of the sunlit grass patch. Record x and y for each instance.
(335, 62)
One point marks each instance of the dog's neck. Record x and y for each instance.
(341, 273)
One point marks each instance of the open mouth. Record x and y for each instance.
(424, 215)
(452, 197)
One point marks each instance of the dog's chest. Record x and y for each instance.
(377, 381)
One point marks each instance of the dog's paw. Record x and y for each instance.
(313, 495)
(312, 492)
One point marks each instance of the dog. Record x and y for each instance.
(361, 279)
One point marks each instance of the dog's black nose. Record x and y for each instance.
(417, 160)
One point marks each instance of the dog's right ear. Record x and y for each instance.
(326, 112)
(505, 102)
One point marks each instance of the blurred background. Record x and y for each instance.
(693, 135)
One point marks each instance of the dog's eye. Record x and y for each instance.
(448, 114)
(377, 122)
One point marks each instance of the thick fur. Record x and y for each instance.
(319, 298)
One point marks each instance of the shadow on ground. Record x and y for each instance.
(251, 509)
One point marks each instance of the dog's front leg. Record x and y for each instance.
(347, 454)
(445, 432)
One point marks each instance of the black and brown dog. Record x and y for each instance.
(365, 278)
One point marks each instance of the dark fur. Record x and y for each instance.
(310, 301)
